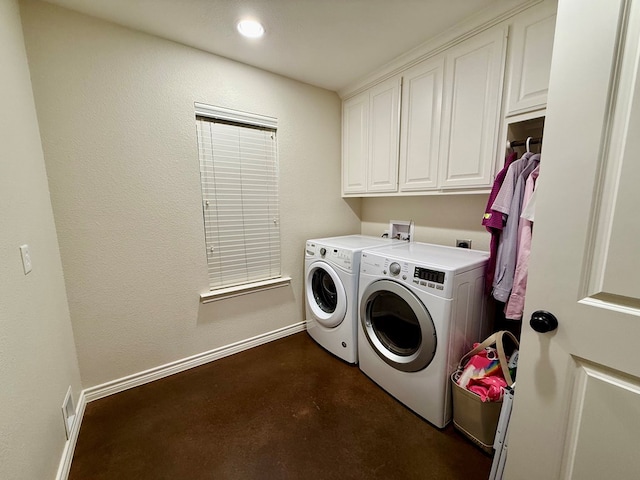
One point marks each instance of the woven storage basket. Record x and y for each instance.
(476, 419)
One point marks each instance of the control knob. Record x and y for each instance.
(394, 268)
(323, 251)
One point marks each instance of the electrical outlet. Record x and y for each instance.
(463, 243)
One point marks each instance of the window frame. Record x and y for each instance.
(250, 120)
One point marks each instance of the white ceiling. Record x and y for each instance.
(328, 43)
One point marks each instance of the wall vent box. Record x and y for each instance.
(401, 230)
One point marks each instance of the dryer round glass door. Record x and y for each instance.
(398, 326)
(325, 294)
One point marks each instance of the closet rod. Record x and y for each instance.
(523, 143)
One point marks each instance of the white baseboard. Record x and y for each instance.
(137, 379)
(69, 447)
(156, 373)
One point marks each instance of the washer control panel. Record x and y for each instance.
(335, 256)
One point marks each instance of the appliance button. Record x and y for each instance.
(431, 285)
(439, 287)
(423, 283)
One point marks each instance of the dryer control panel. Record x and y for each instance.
(426, 279)
(428, 275)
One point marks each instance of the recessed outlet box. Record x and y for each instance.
(463, 243)
(401, 230)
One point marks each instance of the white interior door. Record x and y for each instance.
(577, 403)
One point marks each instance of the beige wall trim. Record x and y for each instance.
(156, 373)
(69, 447)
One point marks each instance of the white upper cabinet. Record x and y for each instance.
(472, 98)
(420, 125)
(530, 58)
(382, 175)
(370, 136)
(355, 143)
(432, 127)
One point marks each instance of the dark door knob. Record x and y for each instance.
(543, 322)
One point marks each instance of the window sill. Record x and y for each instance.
(236, 291)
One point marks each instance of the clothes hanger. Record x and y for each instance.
(528, 144)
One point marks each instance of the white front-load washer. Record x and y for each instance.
(421, 307)
(332, 267)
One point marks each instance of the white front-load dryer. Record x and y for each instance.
(421, 307)
(332, 268)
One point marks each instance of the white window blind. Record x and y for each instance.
(239, 175)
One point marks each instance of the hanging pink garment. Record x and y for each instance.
(515, 304)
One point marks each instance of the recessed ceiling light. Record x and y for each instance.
(250, 28)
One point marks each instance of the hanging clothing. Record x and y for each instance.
(509, 203)
(529, 209)
(493, 222)
(515, 305)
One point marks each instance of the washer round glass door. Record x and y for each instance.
(398, 326)
(325, 294)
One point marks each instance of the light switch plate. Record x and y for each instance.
(26, 258)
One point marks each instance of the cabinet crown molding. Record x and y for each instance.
(474, 25)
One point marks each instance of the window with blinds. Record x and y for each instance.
(239, 176)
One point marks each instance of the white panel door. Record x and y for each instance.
(576, 409)
(473, 91)
(530, 57)
(421, 125)
(384, 128)
(355, 143)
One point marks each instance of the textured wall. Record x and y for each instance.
(117, 121)
(439, 219)
(37, 354)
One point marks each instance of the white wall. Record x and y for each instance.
(37, 354)
(117, 121)
(439, 219)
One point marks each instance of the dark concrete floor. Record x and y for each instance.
(285, 410)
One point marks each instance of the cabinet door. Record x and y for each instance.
(421, 124)
(530, 58)
(355, 143)
(382, 172)
(473, 85)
